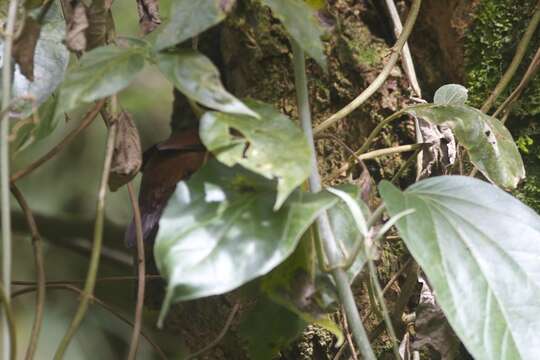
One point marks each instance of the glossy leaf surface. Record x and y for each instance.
(272, 146)
(488, 142)
(480, 248)
(301, 23)
(196, 77)
(189, 18)
(219, 231)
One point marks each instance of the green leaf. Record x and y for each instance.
(196, 77)
(272, 146)
(219, 231)
(490, 145)
(451, 94)
(480, 249)
(269, 328)
(301, 23)
(101, 72)
(51, 58)
(189, 18)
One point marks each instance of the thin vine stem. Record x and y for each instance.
(381, 78)
(141, 272)
(323, 223)
(516, 60)
(37, 245)
(98, 301)
(96, 249)
(86, 121)
(7, 72)
(10, 319)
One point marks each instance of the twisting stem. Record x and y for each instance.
(10, 319)
(86, 121)
(37, 245)
(141, 271)
(4, 169)
(325, 231)
(95, 300)
(96, 249)
(516, 60)
(381, 78)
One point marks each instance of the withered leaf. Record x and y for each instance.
(76, 36)
(25, 46)
(127, 158)
(98, 24)
(149, 18)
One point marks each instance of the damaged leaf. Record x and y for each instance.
(25, 47)
(149, 18)
(451, 94)
(127, 158)
(272, 146)
(489, 143)
(100, 24)
(189, 18)
(76, 31)
(196, 77)
(479, 248)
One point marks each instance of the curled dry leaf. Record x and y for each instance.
(25, 46)
(148, 15)
(127, 158)
(76, 31)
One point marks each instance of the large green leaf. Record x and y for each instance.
(196, 77)
(272, 146)
(219, 231)
(480, 249)
(101, 72)
(269, 328)
(301, 23)
(51, 58)
(189, 18)
(489, 144)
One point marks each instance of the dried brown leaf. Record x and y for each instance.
(76, 31)
(127, 158)
(25, 47)
(98, 24)
(149, 18)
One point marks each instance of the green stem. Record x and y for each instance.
(90, 283)
(381, 78)
(4, 169)
(12, 333)
(516, 61)
(325, 231)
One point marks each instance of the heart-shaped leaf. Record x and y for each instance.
(272, 146)
(451, 94)
(196, 77)
(480, 249)
(489, 143)
(219, 231)
(302, 24)
(189, 18)
(101, 72)
(50, 62)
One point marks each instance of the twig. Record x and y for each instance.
(348, 336)
(220, 336)
(529, 74)
(7, 72)
(96, 300)
(86, 121)
(384, 308)
(381, 78)
(372, 155)
(10, 320)
(37, 245)
(405, 165)
(516, 61)
(394, 277)
(325, 231)
(96, 250)
(141, 272)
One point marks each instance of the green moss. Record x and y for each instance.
(490, 45)
(528, 141)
